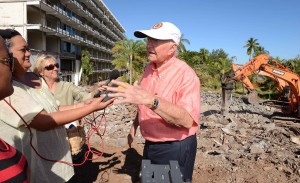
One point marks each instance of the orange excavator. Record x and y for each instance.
(263, 64)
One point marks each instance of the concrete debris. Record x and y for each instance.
(244, 146)
(296, 140)
(253, 144)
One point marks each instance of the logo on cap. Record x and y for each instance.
(157, 26)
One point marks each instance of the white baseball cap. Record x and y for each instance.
(161, 31)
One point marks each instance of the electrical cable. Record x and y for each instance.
(94, 128)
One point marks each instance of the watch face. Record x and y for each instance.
(155, 104)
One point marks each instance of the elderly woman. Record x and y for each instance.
(37, 109)
(66, 93)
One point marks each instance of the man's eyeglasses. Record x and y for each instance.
(9, 60)
(51, 66)
(155, 42)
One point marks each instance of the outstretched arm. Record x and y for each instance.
(171, 113)
(46, 121)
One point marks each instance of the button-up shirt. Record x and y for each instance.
(177, 83)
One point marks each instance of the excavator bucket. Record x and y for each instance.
(253, 98)
(226, 97)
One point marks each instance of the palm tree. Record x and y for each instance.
(203, 55)
(181, 47)
(127, 51)
(293, 64)
(260, 50)
(223, 66)
(251, 46)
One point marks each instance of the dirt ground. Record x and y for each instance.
(247, 146)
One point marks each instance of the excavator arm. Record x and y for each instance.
(280, 83)
(246, 81)
(250, 67)
(241, 74)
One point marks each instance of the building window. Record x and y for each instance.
(66, 47)
(73, 48)
(67, 65)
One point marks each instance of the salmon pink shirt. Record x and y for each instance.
(177, 83)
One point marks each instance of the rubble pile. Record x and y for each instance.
(244, 146)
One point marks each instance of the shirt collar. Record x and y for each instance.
(163, 67)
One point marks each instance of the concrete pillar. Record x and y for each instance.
(78, 72)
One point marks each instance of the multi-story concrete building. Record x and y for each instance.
(64, 28)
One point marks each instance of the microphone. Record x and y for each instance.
(113, 75)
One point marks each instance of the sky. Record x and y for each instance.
(219, 24)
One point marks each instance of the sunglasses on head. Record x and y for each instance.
(51, 66)
(9, 60)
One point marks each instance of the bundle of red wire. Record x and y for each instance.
(94, 127)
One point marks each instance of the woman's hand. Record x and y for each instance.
(98, 104)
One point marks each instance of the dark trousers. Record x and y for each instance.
(184, 151)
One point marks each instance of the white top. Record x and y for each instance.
(51, 144)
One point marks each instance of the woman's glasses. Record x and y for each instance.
(51, 66)
(9, 60)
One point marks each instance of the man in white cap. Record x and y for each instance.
(168, 101)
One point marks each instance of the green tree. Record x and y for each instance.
(260, 50)
(192, 58)
(293, 64)
(223, 66)
(218, 62)
(215, 55)
(181, 46)
(251, 46)
(87, 66)
(203, 55)
(127, 53)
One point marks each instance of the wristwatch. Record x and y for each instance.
(154, 104)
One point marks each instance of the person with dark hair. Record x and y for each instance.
(168, 101)
(14, 167)
(32, 120)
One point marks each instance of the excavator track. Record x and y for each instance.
(284, 117)
(278, 104)
(283, 106)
